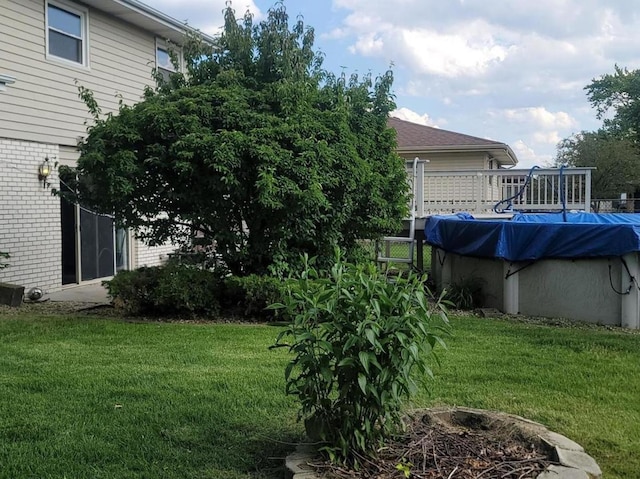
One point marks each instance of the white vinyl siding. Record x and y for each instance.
(43, 104)
(66, 33)
(452, 161)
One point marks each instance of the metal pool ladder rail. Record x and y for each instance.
(417, 178)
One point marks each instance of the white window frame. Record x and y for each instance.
(166, 46)
(83, 13)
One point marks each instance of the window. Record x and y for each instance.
(163, 59)
(67, 33)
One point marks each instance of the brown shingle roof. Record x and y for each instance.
(416, 139)
(419, 136)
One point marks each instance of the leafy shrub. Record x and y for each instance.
(466, 293)
(187, 289)
(133, 291)
(250, 295)
(170, 289)
(356, 338)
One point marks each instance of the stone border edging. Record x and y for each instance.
(574, 463)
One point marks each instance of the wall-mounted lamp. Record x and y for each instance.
(44, 170)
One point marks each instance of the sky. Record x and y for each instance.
(512, 71)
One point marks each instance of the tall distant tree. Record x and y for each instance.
(616, 98)
(256, 149)
(616, 160)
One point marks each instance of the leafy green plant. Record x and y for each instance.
(255, 148)
(170, 289)
(356, 339)
(250, 295)
(466, 293)
(187, 289)
(132, 291)
(4, 256)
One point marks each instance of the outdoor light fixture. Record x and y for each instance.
(44, 170)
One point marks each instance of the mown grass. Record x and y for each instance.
(101, 398)
(88, 398)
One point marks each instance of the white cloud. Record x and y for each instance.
(549, 137)
(414, 117)
(527, 157)
(371, 44)
(541, 118)
(451, 55)
(335, 34)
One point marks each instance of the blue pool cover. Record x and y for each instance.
(529, 237)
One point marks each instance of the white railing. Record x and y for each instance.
(479, 191)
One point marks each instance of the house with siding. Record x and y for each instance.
(455, 170)
(448, 150)
(48, 49)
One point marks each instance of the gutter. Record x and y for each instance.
(162, 18)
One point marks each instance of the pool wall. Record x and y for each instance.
(579, 289)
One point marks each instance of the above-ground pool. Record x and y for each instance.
(582, 266)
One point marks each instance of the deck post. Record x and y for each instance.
(420, 190)
(510, 288)
(479, 184)
(630, 310)
(587, 190)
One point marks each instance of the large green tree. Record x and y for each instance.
(612, 150)
(615, 158)
(616, 98)
(257, 149)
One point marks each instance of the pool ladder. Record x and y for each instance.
(386, 258)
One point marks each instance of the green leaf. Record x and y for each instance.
(346, 362)
(371, 336)
(364, 360)
(362, 382)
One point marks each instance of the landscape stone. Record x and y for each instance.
(575, 463)
(579, 460)
(560, 472)
(554, 439)
(297, 463)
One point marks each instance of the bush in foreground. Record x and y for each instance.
(357, 337)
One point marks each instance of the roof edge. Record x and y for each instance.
(161, 18)
(507, 156)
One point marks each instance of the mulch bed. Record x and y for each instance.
(435, 450)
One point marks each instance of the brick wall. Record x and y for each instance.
(151, 255)
(29, 216)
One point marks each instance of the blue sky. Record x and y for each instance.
(507, 70)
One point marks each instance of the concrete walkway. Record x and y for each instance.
(86, 293)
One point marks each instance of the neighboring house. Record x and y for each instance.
(450, 151)
(451, 181)
(47, 49)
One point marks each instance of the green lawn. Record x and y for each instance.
(100, 398)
